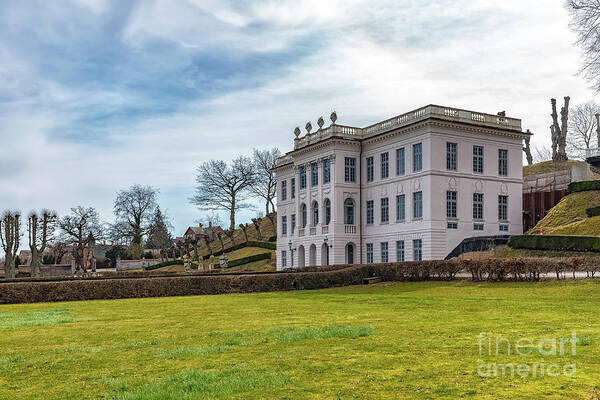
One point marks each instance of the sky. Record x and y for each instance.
(96, 95)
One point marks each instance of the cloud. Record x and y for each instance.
(98, 95)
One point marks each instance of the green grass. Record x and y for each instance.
(384, 341)
(548, 166)
(568, 217)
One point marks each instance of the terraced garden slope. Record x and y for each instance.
(568, 217)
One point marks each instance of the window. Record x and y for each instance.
(451, 151)
(477, 227)
(417, 249)
(503, 208)
(350, 169)
(303, 216)
(417, 205)
(452, 225)
(284, 225)
(369, 253)
(283, 190)
(283, 258)
(400, 250)
(477, 206)
(302, 177)
(384, 252)
(503, 228)
(326, 171)
(315, 213)
(349, 212)
(400, 207)
(293, 188)
(327, 211)
(385, 165)
(385, 210)
(369, 169)
(503, 162)
(370, 212)
(478, 159)
(293, 223)
(450, 204)
(400, 170)
(417, 157)
(314, 174)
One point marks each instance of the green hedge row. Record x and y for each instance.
(592, 212)
(251, 243)
(163, 264)
(583, 186)
(249, 259)
(555, 242)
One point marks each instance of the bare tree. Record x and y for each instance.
(81, 229)
(559, 133)
(159, 235)
(585, 23)
(265, 184)
(134, 209)
(59, 250)
(542, 153)
(244, 227)
(10, 236)
(527, 149)
(224, 187)
(582, 132)
(40, 229)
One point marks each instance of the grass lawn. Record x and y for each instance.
(383, 341)
(568, 217)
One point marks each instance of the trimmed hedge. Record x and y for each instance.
(583, 186)
(249, 259)
(250, 243)
(592, 212)
(163, 264)
(555, 242)
(319, 278)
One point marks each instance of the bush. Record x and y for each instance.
(162, 285)
(555, 242)
(583, 186)
(592, 212)
(249, 259)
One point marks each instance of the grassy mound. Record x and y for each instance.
(548, 166)
(569, 217)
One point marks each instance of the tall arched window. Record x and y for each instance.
(303, 215)
(327, 211)
(349, 212)
(315, 213)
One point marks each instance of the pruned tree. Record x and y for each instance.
(559, 133)
(81, 229)
(220, 237)
(585, 23)
(265, 185)
(134, 209)
(40, 228)
(159, 232)
(527, 149)
(244, 227)
(207, 240)
(256, 222)
(224, 187)
(10, 236)
(231, 235)
(583, 126)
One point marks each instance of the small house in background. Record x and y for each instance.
(197, 232)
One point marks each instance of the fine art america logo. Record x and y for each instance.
(490, 345)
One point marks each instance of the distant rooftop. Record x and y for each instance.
(423, 113)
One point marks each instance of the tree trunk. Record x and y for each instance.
(9, 266)
(35, 262)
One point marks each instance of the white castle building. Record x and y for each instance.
(408, 188)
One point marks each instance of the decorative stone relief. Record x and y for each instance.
(503, 188)
(478, 186)
(369, 194)
(384, 191)
(417, 184)
(400, 188)
(452, 183)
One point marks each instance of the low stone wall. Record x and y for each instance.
(123, 265)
